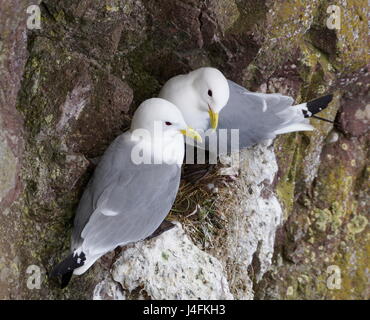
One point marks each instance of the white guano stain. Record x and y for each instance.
(73, 106)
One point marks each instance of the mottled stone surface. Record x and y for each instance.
(13, 56)
(170, 267)
(300, 206)
(253, 214)
(108, 289)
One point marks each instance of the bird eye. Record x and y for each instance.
(168, 123)
(210, 93)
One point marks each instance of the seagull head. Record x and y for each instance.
(212, 92)
(159, 117)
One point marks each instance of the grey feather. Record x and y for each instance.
(258, 116)
(141, 195)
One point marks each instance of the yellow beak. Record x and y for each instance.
(213, 119)
(191, 133)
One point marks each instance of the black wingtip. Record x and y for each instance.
(66, 278)
(317, 105)
(65, 268)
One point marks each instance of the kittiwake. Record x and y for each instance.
(126, 200)
(208, 100)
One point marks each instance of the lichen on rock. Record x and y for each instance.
(297, 207)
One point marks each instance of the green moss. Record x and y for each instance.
(353, 33)
(288, 152)
(142, 82)
(285, 192)
(353, 262)
(165, 256)
(250, 13)
(335, 184)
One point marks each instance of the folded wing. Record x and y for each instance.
(123, 202)
(260, 116)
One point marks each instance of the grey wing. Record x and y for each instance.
(126, 202)
(257, 116)
(104, 172)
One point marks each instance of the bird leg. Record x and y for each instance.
(335, 123)
(165, 226)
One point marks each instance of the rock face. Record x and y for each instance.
(158, 268)
(253, 214)
(293, 224)
(13, 56)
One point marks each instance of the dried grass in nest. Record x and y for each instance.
(200, 211)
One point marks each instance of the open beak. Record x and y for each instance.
(191, 133)
(213, 118)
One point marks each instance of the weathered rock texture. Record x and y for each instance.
(297, 207)
(170, 266)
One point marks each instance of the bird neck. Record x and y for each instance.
(197, 119)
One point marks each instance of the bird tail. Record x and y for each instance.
(64, 269)
(298, 120)
(310, 108)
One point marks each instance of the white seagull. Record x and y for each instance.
(125, 201)
(208, 100)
